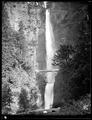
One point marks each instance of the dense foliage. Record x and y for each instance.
(17, 64)
(74, 59)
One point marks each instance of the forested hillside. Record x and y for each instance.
(71, 24)
(21, 25)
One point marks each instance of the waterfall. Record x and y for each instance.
(49, 56)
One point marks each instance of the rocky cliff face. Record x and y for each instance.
(25, 19)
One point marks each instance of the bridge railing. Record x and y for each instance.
(53, 70)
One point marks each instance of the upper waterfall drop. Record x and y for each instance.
(49, 44)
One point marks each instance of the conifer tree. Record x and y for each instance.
(6, 99)
(23, 100)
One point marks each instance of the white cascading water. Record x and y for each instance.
(50, 53)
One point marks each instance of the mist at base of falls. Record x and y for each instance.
(49, 94)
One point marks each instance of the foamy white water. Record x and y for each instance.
(49, 95)
(50, 53)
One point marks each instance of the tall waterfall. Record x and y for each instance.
(50, 53)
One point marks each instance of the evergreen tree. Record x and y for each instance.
(23, 101)
(63, 56)
(6, 99)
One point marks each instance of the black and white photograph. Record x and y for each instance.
(46, 59)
